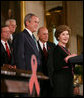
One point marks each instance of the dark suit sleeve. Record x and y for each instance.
(76, 60)
(19, 50)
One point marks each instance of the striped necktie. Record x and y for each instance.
(35, 41)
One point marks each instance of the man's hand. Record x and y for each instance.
(9, 66)
(12, 67)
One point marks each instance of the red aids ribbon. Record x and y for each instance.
(34, 77)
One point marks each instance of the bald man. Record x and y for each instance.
(45, 46)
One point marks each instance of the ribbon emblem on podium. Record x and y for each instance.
(33, 80)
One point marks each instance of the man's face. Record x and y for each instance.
(33, 24)
(5, 33)
(12, 26)
(43, 35)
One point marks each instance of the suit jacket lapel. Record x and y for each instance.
(39, 46)
(48, 47)
(3, 49)
(31, 41)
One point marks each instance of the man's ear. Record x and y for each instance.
(27, 23)
(37, 35)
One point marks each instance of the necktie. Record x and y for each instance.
(7, 50)
(45, 51)
(35, 41)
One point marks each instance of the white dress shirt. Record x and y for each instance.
(32, 37)
(41, 44)
(29, 32)
(11, 36)
(3, 43)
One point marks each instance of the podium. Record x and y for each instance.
(16, 80)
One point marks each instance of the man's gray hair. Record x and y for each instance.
(28, 18)
(8, 21)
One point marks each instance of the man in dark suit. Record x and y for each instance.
(76, 59)
(25, 44)
(6, 52)
(44, 46)
(6, 55)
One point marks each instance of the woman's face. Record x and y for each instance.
(64, 37)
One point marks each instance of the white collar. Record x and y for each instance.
(29, 31)
(11, 36)
(3, 43)
(41, 44)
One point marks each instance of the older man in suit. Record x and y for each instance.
(45, 46)
(11, 23)
(25, 44)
